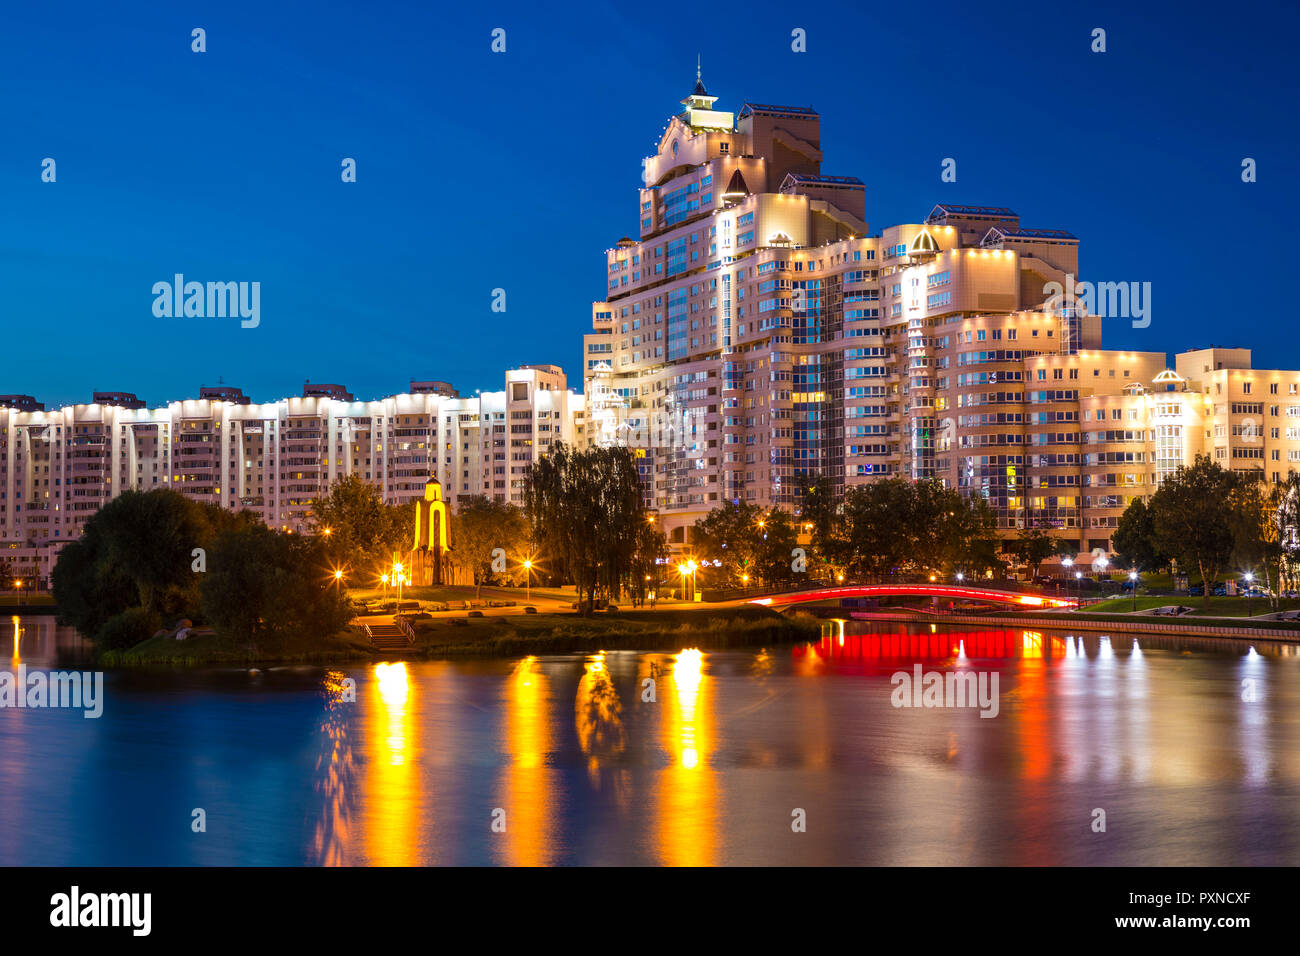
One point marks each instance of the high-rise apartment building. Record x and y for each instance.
(754, 330)
(58, 467)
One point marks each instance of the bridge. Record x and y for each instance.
(939, 591)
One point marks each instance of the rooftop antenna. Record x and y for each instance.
(697, 68)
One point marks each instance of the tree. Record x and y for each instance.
(896, 525)
(1134, 539)
(136, 552)
(149, 537)
(263, 586)
(1256, 538)
(363, 530)
(585, 510)
(87, 589)
(731, 534)
(481, 526)
(1034, 546)
(877, 523)
(646, 568)
(775, 554)
(1189, 513)
(1287, 517)
(819, 514)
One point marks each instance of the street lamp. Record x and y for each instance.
(1133, 579)
(1078, 589)
(1249, 578)
(18, 590)
(528, 578)
(1102, 564)
(383, 578)
(960, 577)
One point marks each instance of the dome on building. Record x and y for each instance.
(924, 244)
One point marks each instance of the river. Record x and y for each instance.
(1187, 750)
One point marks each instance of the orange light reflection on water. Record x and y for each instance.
(686, 834)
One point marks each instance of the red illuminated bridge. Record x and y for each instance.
(942, 591)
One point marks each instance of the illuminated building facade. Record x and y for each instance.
(754, 331)
(58, 467)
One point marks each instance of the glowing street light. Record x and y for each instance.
(960, 577)
(528, 579)
(1133, 578)
(1249, 578)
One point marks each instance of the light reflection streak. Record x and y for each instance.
(687, 806)
(528, 782)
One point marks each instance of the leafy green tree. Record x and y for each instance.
(1286, 499)
(1256, 535)
(262, 586)
(646, 570)
(482, 525)
(1134, 539)
(149, 537)
(585, 510)
(87, 589)
(819, 515)
(775, 555)
(1035, 545)
(878, 527)
(363, 531)
(730, 533)
(897, 525)
(1190, 516)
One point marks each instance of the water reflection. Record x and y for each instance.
(598, 717)
(392, 781)
(693, 758)
(528, 783)
(686, 827)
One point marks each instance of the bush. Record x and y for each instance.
(126, 629)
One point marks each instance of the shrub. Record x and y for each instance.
(126, 629)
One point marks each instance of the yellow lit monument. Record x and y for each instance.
(430, 554)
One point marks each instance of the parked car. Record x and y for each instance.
(529, 609)
(474, 614)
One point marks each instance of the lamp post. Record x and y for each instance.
(1078, 590)
(338, 578)
(528, 579)
(18, 590)
(1133, 578)
(1102, 564)
(960, 577)
(1249, 578)
(383, 579)
(1067, 563)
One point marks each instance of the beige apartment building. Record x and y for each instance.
(754, 330)
(58, 467)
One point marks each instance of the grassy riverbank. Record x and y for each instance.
(499, 636)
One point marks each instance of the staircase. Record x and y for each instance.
(389, 637)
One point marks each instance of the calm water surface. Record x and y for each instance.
(580, 769)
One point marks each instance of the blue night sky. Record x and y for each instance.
(479, 170)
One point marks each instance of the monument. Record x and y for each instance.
(430, 554)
